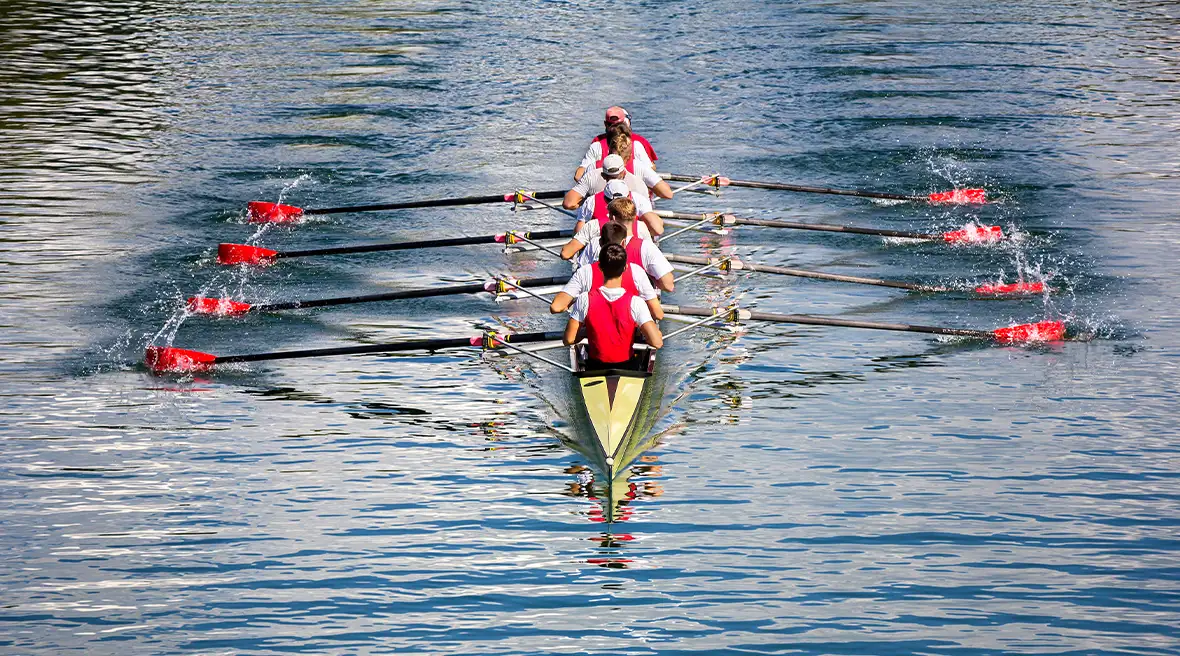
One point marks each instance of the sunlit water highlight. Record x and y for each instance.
(813, 490)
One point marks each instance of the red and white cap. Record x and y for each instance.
(613, 166)
(615, 189)
(614, 115)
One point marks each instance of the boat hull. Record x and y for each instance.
(615, 411)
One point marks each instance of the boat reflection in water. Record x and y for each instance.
(614, 503)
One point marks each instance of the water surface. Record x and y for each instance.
(816, 491)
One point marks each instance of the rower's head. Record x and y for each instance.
(621, 209)
(615, 189)
(615, 115)
(618, 141)
(612, 261)
(612, 232)
(613, 167)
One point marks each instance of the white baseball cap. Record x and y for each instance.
(615, 189)
(613, 165)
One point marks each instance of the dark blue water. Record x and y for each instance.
(816, 490)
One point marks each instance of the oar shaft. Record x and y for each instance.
(416, 345)
(804, 273)
(824, 227)
(870, 325)
(774, 223)
(810, 320)
(473, 288)
(411, 245)
(442, 202)
(800, 188)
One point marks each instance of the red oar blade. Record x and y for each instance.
(974, 234)
(1010, 289)
(259, 211)
(1044, 331)
(165, 359)
(222, 307)
(243, 254)
(959, 197)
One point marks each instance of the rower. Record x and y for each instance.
(617, 119)
(611, 315)
(613, 167)
(590, 277)
(594, 209)
(586, 245)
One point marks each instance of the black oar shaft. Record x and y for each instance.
(870, 325)
(800, 188)
(804, 273)
(411, 245)
(416, 345)
(473, 288)
(792, 225)
(823, 227)
(806, 319)
(442, 202)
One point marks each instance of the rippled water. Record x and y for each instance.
(816, 491)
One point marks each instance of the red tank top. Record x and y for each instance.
(600, 202)
(627, 280)
(605, 150)
(635, 139)
(609, 327)
(635, 251)
(651, 152)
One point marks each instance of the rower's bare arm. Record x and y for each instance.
(655, 224)
(667, 282)
(571, 248)
(561, 303)
(573, 200)
(579, 173)
(651, 334)
(653, 306)
(571, 332)
(662, 189)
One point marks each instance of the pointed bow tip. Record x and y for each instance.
(959, 197)
(258, 211)
(1044, 331)
(166, 359)
(222, 307)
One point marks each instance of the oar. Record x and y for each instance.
(957, 196)
(244, 254)
(167, 359)
(736, 265)
(972, 234)
(990, 289)
(263, 212)
(227, 307)
(1043, 331)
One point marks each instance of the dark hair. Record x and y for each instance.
(613, 261)
(621, 209)
(612, 232)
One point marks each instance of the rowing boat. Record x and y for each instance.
(614, 411)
